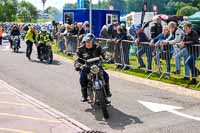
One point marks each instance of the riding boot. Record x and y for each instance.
(84, 95)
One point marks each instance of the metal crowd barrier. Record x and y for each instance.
(68, 44)
(164, 60)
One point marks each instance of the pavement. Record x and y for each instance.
(136, 107)
(19, 113)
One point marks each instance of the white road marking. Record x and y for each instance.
(30, 118)
(155, 107)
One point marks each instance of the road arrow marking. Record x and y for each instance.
(155, 107)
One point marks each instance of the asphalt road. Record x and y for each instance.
(57, 85)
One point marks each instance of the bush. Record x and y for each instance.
(187, 11)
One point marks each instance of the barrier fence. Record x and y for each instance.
(164, 60)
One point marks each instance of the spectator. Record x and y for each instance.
(156, 27)
(104, 32)
(60, 37)
(71, 40)
(176, 36)
(1, 34)
(141, 37)
(121, 49)
(112, 30)
(81, 31)
(86, 27)
(132, 31)
(162, 51)
(191, 38)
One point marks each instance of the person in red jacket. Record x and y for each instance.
(1, 34)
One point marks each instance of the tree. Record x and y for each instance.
(104, 4)
(119, 5)
(8, 10)
(27, 11)
(187, 11)
(70, 6)
(54, 13)
(173, 6)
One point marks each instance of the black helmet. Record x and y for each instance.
(89, 37)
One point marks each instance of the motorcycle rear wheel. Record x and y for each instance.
(50, 57)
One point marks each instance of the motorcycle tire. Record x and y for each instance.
(50, 57)
(102, 101)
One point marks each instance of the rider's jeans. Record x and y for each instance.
(183, 53)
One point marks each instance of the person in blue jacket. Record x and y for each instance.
(165, 52)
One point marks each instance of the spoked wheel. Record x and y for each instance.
(50, 57)
(102, 102)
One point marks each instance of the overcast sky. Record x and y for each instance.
(55, 3)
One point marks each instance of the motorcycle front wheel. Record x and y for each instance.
(102, 101)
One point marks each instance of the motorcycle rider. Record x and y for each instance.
(88, 50)
(14, 32)
(43, 37)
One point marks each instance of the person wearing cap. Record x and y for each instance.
(30, 38)
(191, 39)
(141, 37)
(88, 50)
(42, 38)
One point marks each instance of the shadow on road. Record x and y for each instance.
(20, 52)
(118, 120)
(55, 62)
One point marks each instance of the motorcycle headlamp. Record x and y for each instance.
(94, 69)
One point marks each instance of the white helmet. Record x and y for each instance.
(43, 29)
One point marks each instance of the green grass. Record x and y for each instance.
(173, 79)
(141, 73)
(43, 20)
(56, 51)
